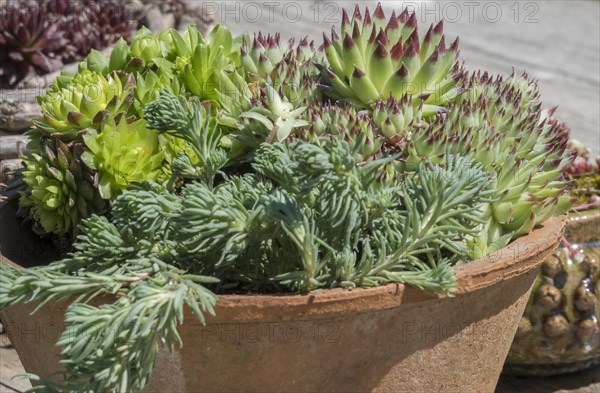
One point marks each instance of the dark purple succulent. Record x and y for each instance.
(30, 42)
(100, 23)
(39, 36)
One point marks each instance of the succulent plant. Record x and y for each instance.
(385, 129)
(239, 166)
(149, 85)
(99, 23)
(334, 121)
(122, 153)
(146, 47)
(374, 58)
(63, 190)
(289, 68)
(271, 118)
(500, 123)
(76, 103)
(40, 36)
(200, 61)
(30, 43)
(236, 97)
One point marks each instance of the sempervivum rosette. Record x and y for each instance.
(62, 190)
(289, 67)
(76, 103)
(385, 130)
(331, 121)
(122, 153)
(31, 43)
(40, 36)
(499, 122)
(374, 58)
(271, 118)
(100, 23)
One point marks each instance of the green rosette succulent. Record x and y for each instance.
(393, 117)
(146, 47)
(289, 68)
(61, 189)
(272, 118)
(200, 61)
(122, 153)
(149, 85)
(383, 131)
(345, 122)
(375, 58)
(76, 103)
(500, 123)
(236, 97)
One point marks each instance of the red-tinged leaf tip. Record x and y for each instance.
(373, 35)
(345, 18)
(439, 28)
(402, 72)
(334, 35)
(392, 23)
(274, 43)
(379, 14)
(357, 15)
(349, 42)
(429, 34)
(382, 37)
(256, 44)
(403, 17)
(326, 41)
(442, 45)
(356, 32)
(380, 51)
(262, 58)
(397, 50)
(433, 59)
(410, 51)
(412, 21)
(358, 73)
(454, 45)
(414, 38)
(367, 21)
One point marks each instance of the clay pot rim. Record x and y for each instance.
(519, 257)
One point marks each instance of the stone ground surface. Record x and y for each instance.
(557, 42)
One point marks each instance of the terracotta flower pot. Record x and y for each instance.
(559, 331)
(387, 339)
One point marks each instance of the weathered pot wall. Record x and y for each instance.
(386, 339)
